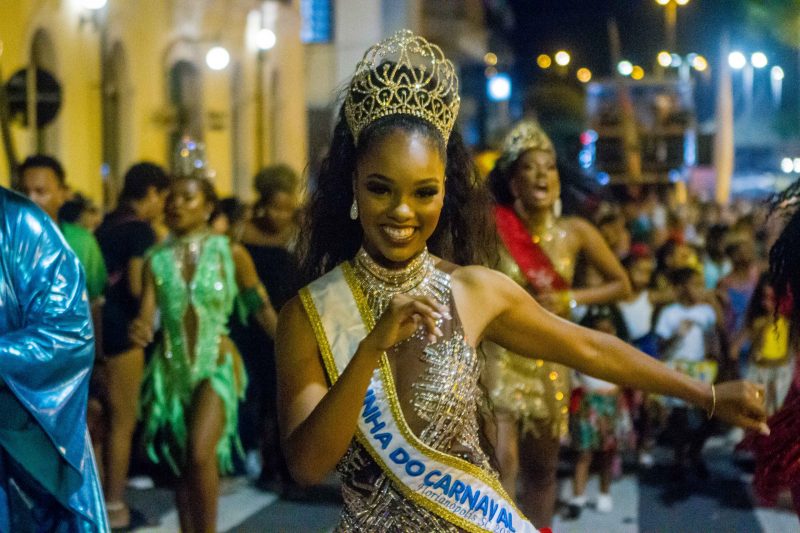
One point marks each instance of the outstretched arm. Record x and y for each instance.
(512, 319)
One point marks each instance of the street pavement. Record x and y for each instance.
(645, 501)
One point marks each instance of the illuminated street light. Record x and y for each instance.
(266, 39)
(664, 58)
(662, 2)
(759, 60)
(499, 87)
(544, 61)
(584, 75)
(625, 67)
(737, 60)
(777, 73)
(562, 58)
(637, 72)
(94, 4)
(675, 60)
(490, 59)
(699, 63)
(217, 58)
(796, 164)
(787, 165)
(681, 2)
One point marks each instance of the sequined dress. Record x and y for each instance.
(438, 388)
(175, 369)
(534, 392)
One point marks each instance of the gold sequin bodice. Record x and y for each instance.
(438, 388)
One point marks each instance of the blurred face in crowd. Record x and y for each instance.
(682, 256)
(640, 272)
(152, 205)
(188, 209)
(744, 253)
(399, 186)
(41, 184)
(692, 291)
(278, 214)
(534, 181)
(614, 232)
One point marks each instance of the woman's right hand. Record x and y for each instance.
(140, 332)
(741, 403)
(402, 318)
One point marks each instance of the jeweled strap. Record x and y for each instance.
(451, 488)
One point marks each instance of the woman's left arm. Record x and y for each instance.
(247, 280)
(617, 286)
(512, 318)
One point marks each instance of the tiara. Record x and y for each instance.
(403, 75)
(526, 135)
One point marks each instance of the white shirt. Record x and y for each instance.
(638, 315)
(691, 346)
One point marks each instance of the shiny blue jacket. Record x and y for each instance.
(46, 357)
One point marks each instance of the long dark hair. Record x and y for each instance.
(784, 270)
(465, 233)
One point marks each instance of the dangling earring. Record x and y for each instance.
(354, 210)
(557, 208)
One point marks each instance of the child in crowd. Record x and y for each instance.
(736, 289)
(598, 421)
(683, 328)
(767, 333)
(637, 313)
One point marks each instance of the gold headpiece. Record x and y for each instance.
(526, 135)
(403, 75)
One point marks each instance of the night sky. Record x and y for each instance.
(580, 26)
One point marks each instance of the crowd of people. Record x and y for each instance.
(359, 332)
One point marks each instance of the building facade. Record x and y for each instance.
(135, 81)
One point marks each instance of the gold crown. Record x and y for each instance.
(526, 135)
(403, 75)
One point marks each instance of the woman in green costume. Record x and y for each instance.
(193, 383)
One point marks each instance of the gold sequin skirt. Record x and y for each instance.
(534, 392)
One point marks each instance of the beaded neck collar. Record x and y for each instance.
(394, 280)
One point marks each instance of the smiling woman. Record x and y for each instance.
(378, 361)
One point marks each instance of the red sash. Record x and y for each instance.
(533, 262)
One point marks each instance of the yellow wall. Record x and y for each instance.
(152, 35)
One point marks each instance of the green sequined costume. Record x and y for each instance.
(172, 375)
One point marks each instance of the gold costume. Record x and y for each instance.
(535, 392)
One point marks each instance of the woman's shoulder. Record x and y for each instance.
(480, 280)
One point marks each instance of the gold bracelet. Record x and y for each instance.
(713, 402)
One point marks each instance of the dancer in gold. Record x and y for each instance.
(539, 251)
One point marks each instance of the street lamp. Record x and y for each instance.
(499, 87)
(776, 82)
(625, 67)
(266, 39)
(544, 61)
(664, 58)
(637, 72)
(562, 58)
(737, 60)
(759, 60)
(584, 75)
(699, 63)
(218, 58)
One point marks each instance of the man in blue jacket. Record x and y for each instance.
(48, 478)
